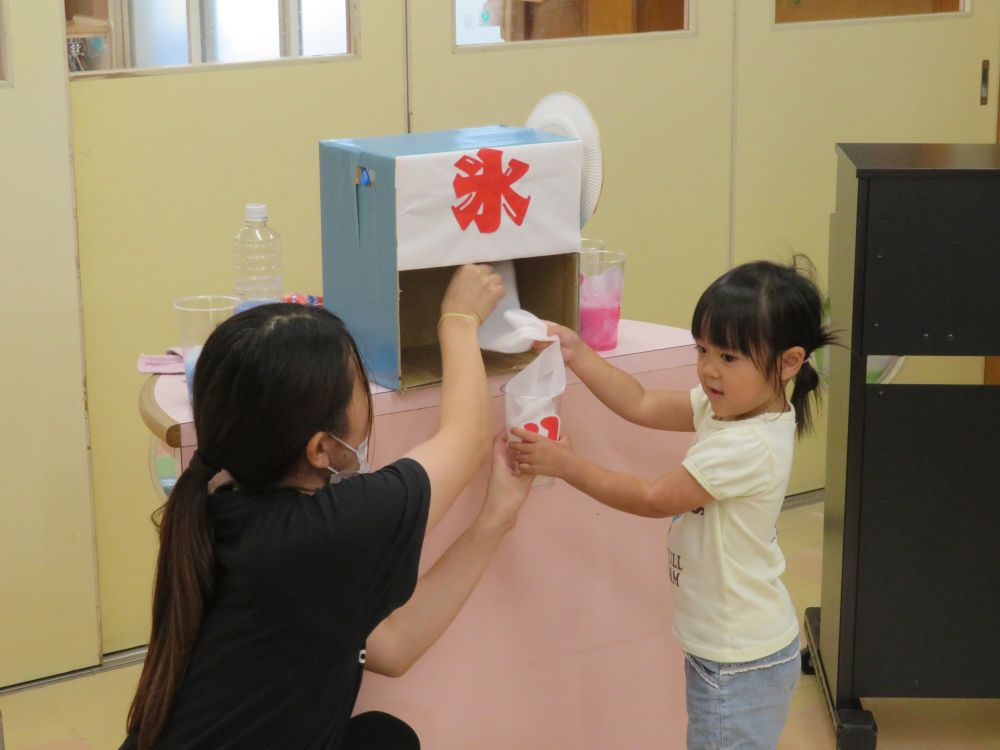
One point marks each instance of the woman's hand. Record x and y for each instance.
(569, 341)
(536, 454)
(506, 490)
(473, 290)
(404, 635)
(461, 444)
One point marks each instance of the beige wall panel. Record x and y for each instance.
(662, 102)
(48, 595)
(801, 88)
(164, 165)
(932, 370)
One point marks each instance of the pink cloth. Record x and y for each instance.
(169, 364)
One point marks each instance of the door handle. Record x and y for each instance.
(984, 83)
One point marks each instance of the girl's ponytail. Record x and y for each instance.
(183, 589)
(806, 383)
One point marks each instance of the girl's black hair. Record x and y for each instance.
(761, 309)
(266, 381)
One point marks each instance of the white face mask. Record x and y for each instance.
(361, 452)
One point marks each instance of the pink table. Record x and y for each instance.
(567, 641)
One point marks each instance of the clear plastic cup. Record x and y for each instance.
(602, 273)
(536, 413)
(197, 317)
(589, 243)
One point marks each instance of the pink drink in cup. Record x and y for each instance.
(599, 326)
(601, 276)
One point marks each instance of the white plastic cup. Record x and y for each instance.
(536, 414)
(197, 317)
(602, 274)
(589, 243)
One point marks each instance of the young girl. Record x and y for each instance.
(273, 593)
(755, 329)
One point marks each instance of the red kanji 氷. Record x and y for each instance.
(485, 186)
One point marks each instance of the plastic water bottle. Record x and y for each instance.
(257, 260)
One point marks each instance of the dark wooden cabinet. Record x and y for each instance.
(911, 555)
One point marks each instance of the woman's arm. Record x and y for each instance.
(621, 392)
(456, 451)
(675, 492)
(407, 633)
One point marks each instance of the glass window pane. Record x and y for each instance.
(158, 33)
(241, 30)
(88, 36)
(477, 22)
(795, 11)
(324, 27)
(484, 21)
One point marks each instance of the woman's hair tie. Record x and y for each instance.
(202, 466)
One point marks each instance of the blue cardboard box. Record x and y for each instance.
(400, 212)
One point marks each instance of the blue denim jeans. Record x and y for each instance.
(739, 706)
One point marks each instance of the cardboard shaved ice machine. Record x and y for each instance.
(399, 213)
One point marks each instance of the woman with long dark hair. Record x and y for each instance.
(276, 590)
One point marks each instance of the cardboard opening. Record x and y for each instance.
(548, 286)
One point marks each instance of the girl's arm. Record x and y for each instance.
(407, 633)
(621, 392)
(675, 492)
(456, 451)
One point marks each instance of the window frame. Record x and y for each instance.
(965, 7)
(289, 29)
(6, 77)
(687, 29)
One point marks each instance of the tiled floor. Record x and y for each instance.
(88, 713)
(902, 724)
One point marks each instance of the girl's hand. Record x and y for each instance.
(506, 490)
(473, 290)
(536, 454)
(569, 341)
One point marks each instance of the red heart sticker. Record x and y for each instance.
(550, 424)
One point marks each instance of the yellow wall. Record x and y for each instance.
(683, 141)
(801, 88)
(165, 162)
(931, 370)
(164, 165)
(663, 104)
(48, 596)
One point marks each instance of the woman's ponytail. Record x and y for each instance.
(183, 588)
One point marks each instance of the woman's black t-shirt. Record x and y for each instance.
(301, 581)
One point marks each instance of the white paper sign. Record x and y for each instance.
(488, 204)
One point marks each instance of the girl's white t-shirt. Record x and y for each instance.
(729, 602)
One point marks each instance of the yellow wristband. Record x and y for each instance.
(470, 316)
